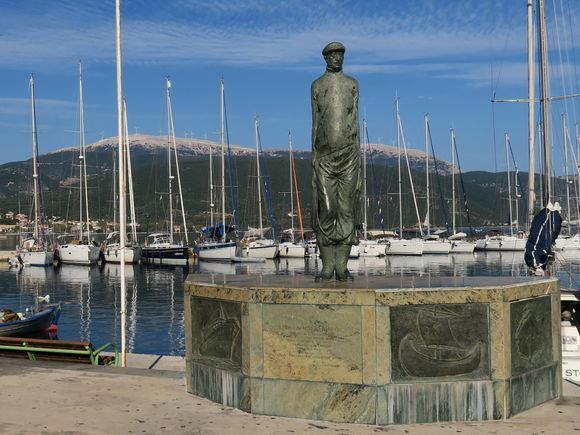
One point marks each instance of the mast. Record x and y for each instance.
(566, 145)
(531, 127)
(427, 171)
(83, 161)
(507, 162)
(129, 174)
(291, 188)
(173, 142)
(122, 213)
(211, 204)
(256, 134)
(365, 145)
(170, 177)
(223, 144)
(545, 104)
(115, 197)
(81, 154)
(293, 163)
(453, 146)
(35, 179)
(399, 167)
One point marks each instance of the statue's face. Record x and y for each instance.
(334, 61)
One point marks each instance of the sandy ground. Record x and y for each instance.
(45, 398)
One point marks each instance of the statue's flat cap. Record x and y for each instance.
(333, 46)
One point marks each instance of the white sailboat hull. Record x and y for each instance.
(78, 254)
(216, 251)
(371, 248)
(568, 243)
(435, 247)
(113, 254)
(291, 250)
(354, 252)
(258, 249)
(311, 249)
(461, 247)
(37, 258)
(501, 243)
(404, 247)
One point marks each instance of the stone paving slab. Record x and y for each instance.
(49, 398)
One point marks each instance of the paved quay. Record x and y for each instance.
(6, 255)
(51, 398)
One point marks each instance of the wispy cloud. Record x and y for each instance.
(381, 37)
(19, 106)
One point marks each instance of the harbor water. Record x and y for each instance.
(90, 296)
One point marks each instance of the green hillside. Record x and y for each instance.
(486, 192)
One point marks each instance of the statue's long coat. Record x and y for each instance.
(336, 177)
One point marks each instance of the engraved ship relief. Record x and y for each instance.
(219, 337)
(527, 340)
(433, 350)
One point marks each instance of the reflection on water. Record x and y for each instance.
(91, 295)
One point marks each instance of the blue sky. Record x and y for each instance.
(444, 57)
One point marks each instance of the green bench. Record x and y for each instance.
(57, 350)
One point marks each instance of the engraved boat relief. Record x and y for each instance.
(432, 350)
(527, 344)
(219, 337)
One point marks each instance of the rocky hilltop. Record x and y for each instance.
(145, 144)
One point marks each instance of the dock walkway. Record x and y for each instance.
(59, 398)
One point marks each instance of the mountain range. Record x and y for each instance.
(60, 174)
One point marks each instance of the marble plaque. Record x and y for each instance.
(313, 343)
(216, 333)
(531, 333)
(444, 341)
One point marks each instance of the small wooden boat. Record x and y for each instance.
(32, 321)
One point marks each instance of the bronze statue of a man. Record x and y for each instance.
(336, 178)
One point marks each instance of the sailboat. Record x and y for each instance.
(431, 242)
(160, 247)
(218, 248)
(292, 249)
(81, 249)
(34, 249)
(399, 245)
(254, 243)
(110, 249)
(458, 244)
(511, 242)
(569, 241)
(366, 247)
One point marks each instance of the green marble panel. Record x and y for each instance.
(313, 343)
(533, 388)
(531, 334)
(216, 333)
(218, 385)
(440, 342)
(318, 401)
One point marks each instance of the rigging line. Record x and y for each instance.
(565, 89)
(562, 260)
(496, 183)
(573, 44)
(232, 177)
(518, 179)
(267, 189)
(439, 187)
(373, 179)
(465, 204)
(574, 78)
(410, 177)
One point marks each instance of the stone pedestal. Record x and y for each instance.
(377, 350)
